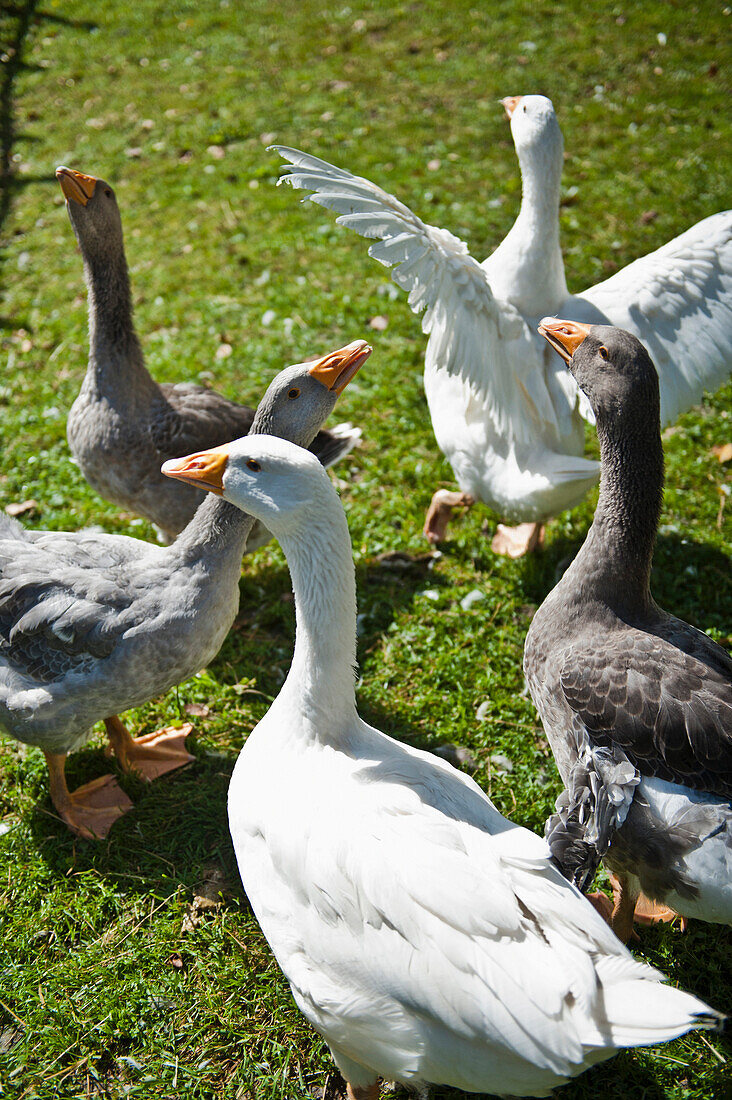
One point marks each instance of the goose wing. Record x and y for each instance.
(678, 302)
(449, 951)
(192, 418)
(61, 604)
(484, 341)
(663, 701)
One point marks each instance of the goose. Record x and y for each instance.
(637, 704)
(424, 936)
(123, 425)
(93, 624)
(505, 413)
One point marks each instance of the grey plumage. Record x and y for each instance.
(92, 624)
(123, 425)
(626, 691)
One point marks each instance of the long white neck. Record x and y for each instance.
(527, 268)
(320, 685)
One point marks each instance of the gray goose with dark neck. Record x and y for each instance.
(94, 624)
(627, 693)
(123, 425)
(613, 566)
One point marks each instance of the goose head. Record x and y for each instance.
(302, 396)
(93, 212)
(533, 121)
(272, 479)
(295, 405)
(610, 365)
(536, 135)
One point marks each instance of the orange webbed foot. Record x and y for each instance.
(91, 810)
(515, 542)
(153, 754)
(440, 512)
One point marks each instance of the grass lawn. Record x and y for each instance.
(112, 981)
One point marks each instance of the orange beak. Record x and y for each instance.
(336, 369)
(510, 103)
(75, 185)
(204, 470)
(564, 336)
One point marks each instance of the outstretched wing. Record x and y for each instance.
(669, 709)
(484, 341)
(678, 302)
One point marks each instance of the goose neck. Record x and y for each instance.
(115, 356)
(541, 175)
(528, 269)
(321, 682)
(619, 547)
(217, 534)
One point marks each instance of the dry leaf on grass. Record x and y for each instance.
(457, 755)
(19, 508)
(197, 710)
(208, 899)
(723, 451)
(400, 559)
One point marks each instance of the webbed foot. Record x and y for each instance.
(440, 512)
(514, 542)
(91, 810)
(151, 755)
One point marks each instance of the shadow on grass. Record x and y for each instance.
(16, 21)
(689, 579)
(177, 828)
(179, 824)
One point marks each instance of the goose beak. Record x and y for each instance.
(564, 336)
(336, 369)
(510, 103)
(75, 185)
(204, 470)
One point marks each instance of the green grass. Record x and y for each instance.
(92, 1004)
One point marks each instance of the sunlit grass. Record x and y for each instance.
(102, 992)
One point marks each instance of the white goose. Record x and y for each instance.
(506, 416)
(427, 938)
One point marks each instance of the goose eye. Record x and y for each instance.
(108, 192)
(603, 351)
(294, 392)
(254, 465)
(524, 108)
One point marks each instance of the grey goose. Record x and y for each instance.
(636, 703)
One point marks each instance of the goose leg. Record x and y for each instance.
(623, 910)
(152, 755)
(653, 912)
(440, 511)
(91, 810)
(368, 1092)
(514, 542)
(629, 906)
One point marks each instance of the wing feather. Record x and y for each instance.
(667, 708)
(57, 613)
(484, 341)
(678, 302)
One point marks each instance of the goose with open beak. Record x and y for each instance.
(93, 624)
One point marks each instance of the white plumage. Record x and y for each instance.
(506, 414)
(427, 938)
